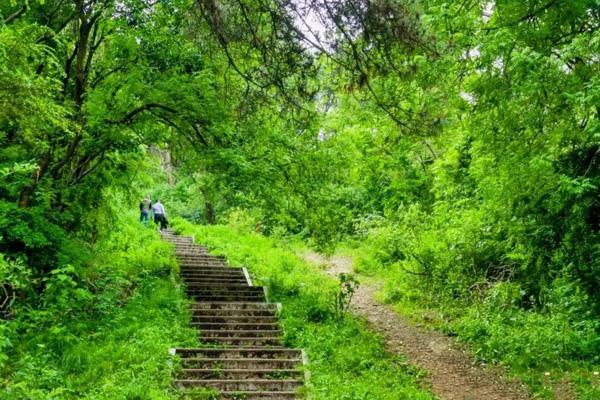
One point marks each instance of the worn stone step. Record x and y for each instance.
(188, 245)
(233, 319)
(191, 251)
(213, 275)
(249, 352)
(242, 341)
(223, 283)
(209, 268)
(239, 326)
(232, 305)
(197, 264)
(240, 373)
(258, 395)
(218, 279)
(242, 363)
(201, 257)
(223, 292)
(197, 259)
(229, 284)
(192, 265)
(232, 297)
(275, 385)
(180, 240)
(224, 273)
(240, 333)
(233, 314)
(228, 288)
(215, 278)
(228, 295)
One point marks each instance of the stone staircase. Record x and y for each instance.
(242, 355)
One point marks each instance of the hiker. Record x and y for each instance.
(160, 215)
(145, 206)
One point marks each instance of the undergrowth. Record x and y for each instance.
(347, 361)
(546, 346)
(100, 328)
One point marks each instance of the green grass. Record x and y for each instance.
(101, 330)
(347, 360)
(544, 348)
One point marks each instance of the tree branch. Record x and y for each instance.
(17, 13)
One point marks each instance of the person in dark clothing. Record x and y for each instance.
(160, 215)
(145, 207)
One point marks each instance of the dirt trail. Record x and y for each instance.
(453, 374)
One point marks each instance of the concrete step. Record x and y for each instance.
(236, 326)
(223, 282)
(224, 274)
(198, 258)
(209, 269)
(275, 385)
(233, 319)
(201, 257)
(191, 251)
(189, 264)
(213, 274)
(232, 305)
(207, 279)
(188, 245)
(228, 288)
(226, 297)
(240, 373)
(194, 260)
(247, 352)
(242, 341)
(241, 363)
(190, 271)
(180, 240)
(258, 395)
(225, 292)
(240, 333)
(233, 314)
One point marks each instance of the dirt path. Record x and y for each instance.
(453, 374)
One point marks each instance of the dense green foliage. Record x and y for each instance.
(102, 327)
(454, 145)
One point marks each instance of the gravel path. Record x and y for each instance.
(452, 372)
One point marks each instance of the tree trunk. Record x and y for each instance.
(209, 213)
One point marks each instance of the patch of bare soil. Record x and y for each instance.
(453, 374)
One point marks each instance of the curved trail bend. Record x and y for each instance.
(452, 372)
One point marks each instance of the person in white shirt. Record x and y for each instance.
(160, 215)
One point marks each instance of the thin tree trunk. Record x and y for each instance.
(209, 213)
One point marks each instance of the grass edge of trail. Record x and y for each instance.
(482, 325)
(347, 361)
(102, 328)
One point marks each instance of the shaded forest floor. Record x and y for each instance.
(453, 373)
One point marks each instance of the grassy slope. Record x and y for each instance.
(347, 361)
(542, 349)
(101, 330)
